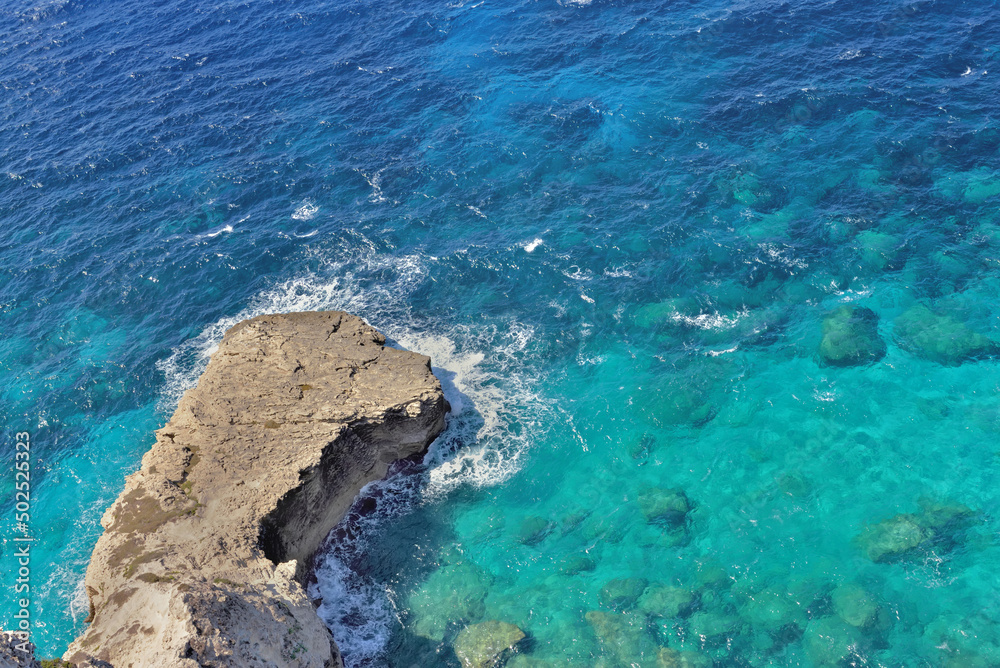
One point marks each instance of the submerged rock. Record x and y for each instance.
(534, 530)
(900, 536)
(711, 575)
(663, 313)
(672, 658)
(945, 517)
(576, 565)
(525, 661)
(661, 600)
(854, 605)
(572, 521)
(624, 638)
(204, 552)
(607, 529)
(712, 625)
(940, 338)
(664, 506)
(749, 190)
(772, 609)
(969, 640)
(850, 337)
(454, 593)
(893, 538)
(687, 393)
(681, 404)
(622, 593)
(829, 641)
(879, 252)
(640, 448)
(487, 644)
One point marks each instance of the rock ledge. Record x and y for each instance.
(204, 552)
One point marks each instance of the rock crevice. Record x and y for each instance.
(202, 558)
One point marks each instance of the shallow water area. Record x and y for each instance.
(711, 288)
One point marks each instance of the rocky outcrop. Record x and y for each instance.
(204, 553)
(16, 651)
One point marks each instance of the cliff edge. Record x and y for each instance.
(203, 553)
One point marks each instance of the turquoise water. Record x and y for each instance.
(618, 229)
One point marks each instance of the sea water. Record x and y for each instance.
(618, 228)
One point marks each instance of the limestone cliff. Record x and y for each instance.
(203, 554)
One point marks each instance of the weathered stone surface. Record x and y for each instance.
(16, 651)
(487, 644)
(850, 337)
(205, 550)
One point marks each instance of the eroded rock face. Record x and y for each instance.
(203, 554)
(16, 651)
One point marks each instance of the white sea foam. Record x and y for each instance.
(359, 613)
(578, 274)
(484, 369)
(533, 244)
(716, 321)
(214, 233)
(305, 211)
(781, 255)
(479, 447)
(375, 181)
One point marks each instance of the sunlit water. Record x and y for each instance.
(617, 228)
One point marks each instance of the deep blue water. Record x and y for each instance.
(617, 227)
